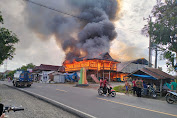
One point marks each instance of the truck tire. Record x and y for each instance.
(16, 84)
(28, 85)
(13, 84)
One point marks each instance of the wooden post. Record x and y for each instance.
(109, 71)
(103, 70)
(97, 69)
(160, 87)
(109, 76)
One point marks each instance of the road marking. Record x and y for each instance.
(61, 90)
(138, 107)
(88, 115)
(120, 93)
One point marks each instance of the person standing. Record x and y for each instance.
(134, 86)
(126, 86)
(139, 85)
(145, 88)
(173, 85)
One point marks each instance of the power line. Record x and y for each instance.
(53, 9)
(61, 12)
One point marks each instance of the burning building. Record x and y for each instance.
(103, 65)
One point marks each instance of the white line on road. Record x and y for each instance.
(138, 107)
(60, 104)
(61, 90)
(120, 93)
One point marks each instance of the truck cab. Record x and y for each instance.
(22, 78)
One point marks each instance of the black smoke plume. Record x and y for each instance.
(90, 30)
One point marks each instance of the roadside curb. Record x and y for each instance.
(56, 103)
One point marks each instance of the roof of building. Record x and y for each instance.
(45, 67)
(156, 73)
(102, 56)
(122, 65)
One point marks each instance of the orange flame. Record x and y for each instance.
(94, 64)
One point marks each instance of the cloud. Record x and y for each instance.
(30, 49)
(130, 44)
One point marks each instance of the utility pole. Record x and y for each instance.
(150, 45)
(156, 57)
(5, 68)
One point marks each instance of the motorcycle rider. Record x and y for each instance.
(101, 82)
(105, 88)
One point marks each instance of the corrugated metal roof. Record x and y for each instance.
(45, 67)
(122, 65)
(156, 73)
(103, 56)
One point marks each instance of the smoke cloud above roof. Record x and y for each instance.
(84, 28)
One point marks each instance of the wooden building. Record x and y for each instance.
(102, 66)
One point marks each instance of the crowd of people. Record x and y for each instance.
(139, 84)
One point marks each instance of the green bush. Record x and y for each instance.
(120, 89)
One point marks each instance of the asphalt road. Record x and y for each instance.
(88, 101)
(33, 107)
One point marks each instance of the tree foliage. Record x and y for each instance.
(163, 29)
(24, 68)
(1, 19)
(7, 41)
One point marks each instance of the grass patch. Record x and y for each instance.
(120, 89)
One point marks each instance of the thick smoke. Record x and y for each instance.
(91, 32)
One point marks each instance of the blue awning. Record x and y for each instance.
(145, 76)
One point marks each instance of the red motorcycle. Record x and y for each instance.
(110, 91)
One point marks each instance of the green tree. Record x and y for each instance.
(7, 41)
(24, 68)
(163, 29)
(11, 74)
(28, 66)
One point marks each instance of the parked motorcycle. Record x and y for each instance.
(111, 91)
(149, 92)
(171, 97)
(9, 108)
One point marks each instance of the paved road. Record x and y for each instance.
(39, 109)
(88, 101)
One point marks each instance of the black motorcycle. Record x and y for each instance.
(149, 92)
(9, 108)
(111, 91)
(171, 97)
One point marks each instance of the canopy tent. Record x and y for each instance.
(71, 77)
(153, 75)
(145, 76)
